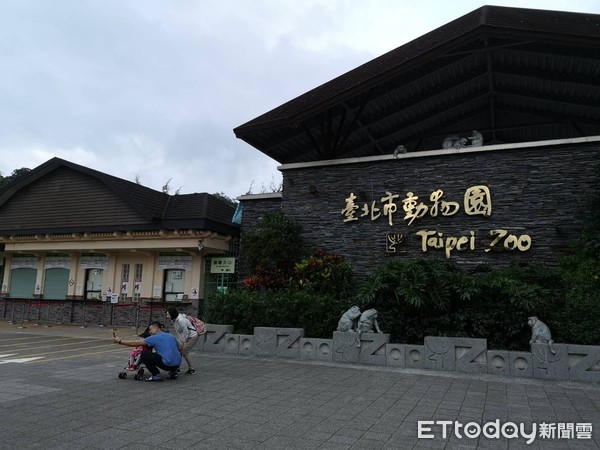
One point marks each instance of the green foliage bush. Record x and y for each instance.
(275, 244)
(437, 298)
(323, 273)
(318, 314)
(578, 321)
(430, 298)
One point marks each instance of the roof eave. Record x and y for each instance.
(420, 50)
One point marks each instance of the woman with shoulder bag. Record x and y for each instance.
(188, 336)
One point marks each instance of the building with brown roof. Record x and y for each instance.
(70, 232)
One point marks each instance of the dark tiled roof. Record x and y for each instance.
(146, 201)
(153, 209)
(213, 211)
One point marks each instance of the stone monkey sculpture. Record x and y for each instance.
(540, 333)
(348, 320)
(367, 321)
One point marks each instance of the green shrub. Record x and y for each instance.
(428, 298)
(437, 298)
(323, 273)
(413, 298)
(578, 321)
(506, 297)
(318, 314)
(275, 243)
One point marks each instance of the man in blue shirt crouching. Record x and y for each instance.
(166, 355)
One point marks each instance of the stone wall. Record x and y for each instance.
(538, 200)
(89, 313)
(455, 354)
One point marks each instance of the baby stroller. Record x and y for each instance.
(139, 367)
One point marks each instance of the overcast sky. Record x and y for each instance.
(153, 88)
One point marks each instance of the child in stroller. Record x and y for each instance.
(133, 362)
(134, 358)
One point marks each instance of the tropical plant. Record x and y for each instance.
(438, 298)
(324, 273)
(275, 243)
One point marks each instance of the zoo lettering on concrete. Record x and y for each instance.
(477, 200)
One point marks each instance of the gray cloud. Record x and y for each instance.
(154, 88)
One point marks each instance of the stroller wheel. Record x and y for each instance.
(121, 375)
(138, 377)
(124, 375)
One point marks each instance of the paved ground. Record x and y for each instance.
(72, 399)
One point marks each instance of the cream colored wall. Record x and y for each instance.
(121, 250)
(151, 277)
(6, 277)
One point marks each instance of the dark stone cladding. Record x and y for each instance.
(251, 214)
(541, 191)
(253, 210)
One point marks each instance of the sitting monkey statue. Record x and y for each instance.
(367, 321)
(540, 333)
(454, 141)
(348, 320)
(476, 139)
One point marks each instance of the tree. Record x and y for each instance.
(272, 188)
(275, 244)
(167, 188)
(13, 176)
(225, 198)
